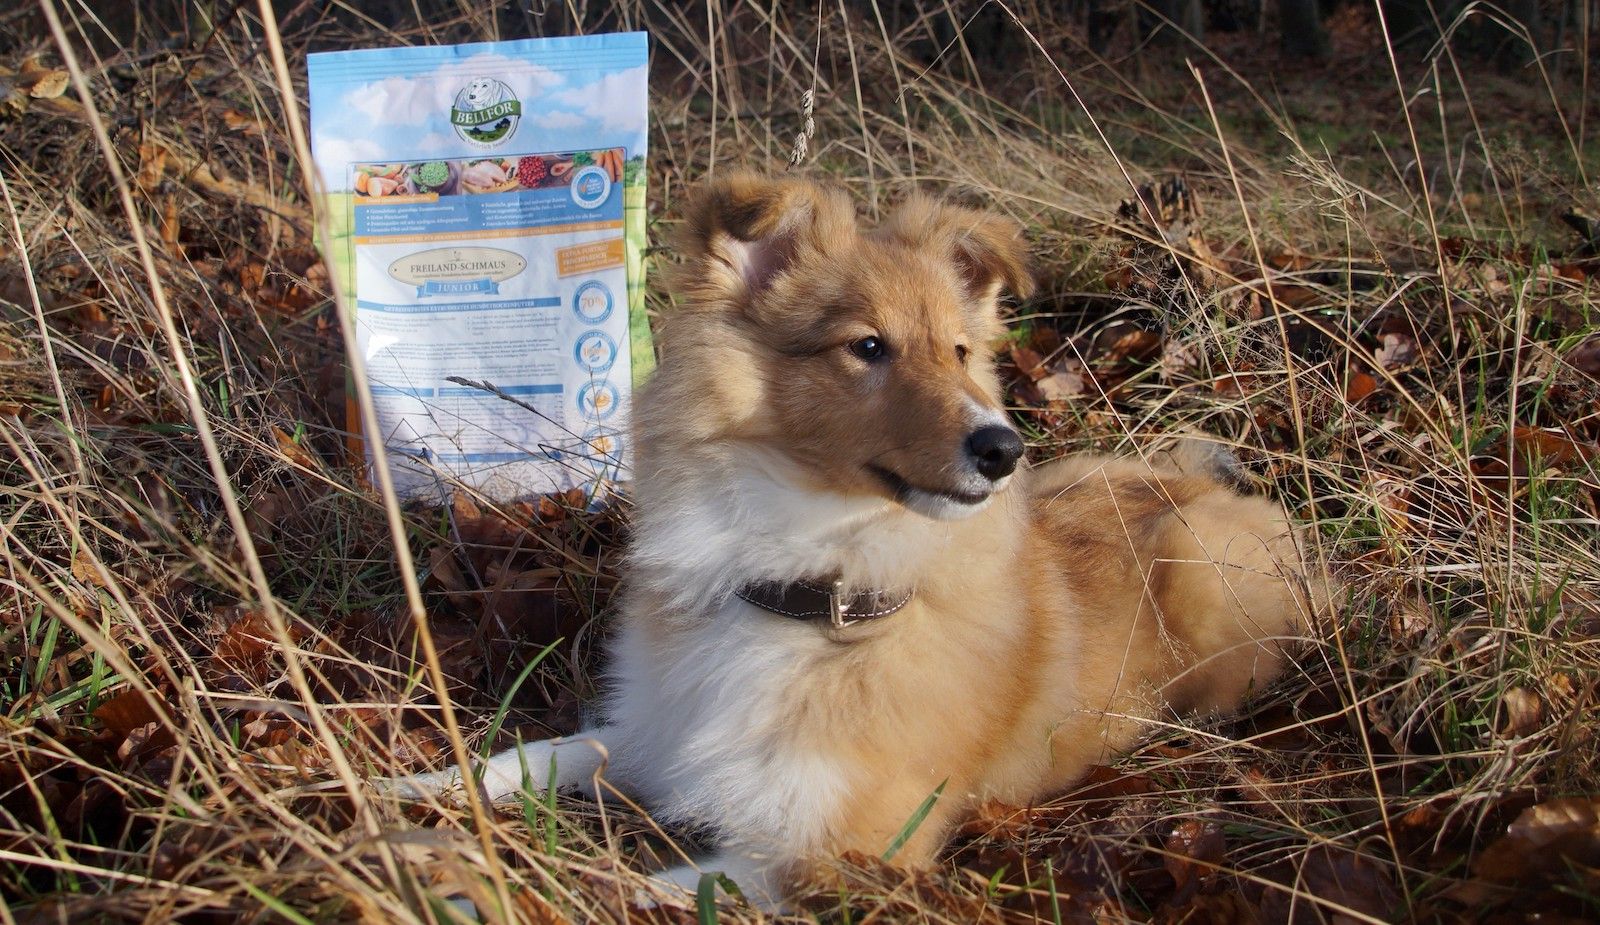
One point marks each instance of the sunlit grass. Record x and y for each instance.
(166, 754)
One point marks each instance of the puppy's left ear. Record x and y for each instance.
(988, 251)
(744, 231)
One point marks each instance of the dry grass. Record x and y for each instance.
(209, 638)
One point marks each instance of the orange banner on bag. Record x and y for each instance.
(586, 258)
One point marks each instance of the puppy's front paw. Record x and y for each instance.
(660, 890)
(441, 785)
(736, 877)
(501, 782)
(528, 768)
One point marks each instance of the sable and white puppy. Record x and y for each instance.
(826, 415)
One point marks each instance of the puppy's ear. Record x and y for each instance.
(744, 230)
(988, 251)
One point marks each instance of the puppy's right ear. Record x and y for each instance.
(743, 231)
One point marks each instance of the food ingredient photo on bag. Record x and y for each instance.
(487, 214)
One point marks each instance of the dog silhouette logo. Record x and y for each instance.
(486, 112)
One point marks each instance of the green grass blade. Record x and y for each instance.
(505, 702)
(275, 904)
(705, 900)
(915, 822)
(47, 653)
(550, 807)
(1055, 898)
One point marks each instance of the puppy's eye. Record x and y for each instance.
(961, 354)
(869, 348)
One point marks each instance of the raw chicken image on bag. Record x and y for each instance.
(487, 211)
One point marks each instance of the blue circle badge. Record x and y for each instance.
(592, 302)
(602, 448)
(595, 352)
(591, 186)
(597, 400)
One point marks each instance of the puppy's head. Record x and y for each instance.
(864, 353)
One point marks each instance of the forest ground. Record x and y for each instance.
(1355, 272)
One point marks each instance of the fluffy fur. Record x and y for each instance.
(1055, 611)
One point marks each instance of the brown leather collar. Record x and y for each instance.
(802, 600)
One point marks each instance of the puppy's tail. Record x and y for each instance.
(1200, 456)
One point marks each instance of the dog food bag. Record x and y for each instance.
(487, 212)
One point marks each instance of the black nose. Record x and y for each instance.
(995, 451)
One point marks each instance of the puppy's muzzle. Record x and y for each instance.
(994, 451)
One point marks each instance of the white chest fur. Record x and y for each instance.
(698, 538)
(701, 721)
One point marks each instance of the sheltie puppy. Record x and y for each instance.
(844, 594)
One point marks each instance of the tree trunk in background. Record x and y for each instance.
(1508, 47)
(1185, 15)
(1410, 22)
(1483, 37)
(1300, 28)
(1101, 19)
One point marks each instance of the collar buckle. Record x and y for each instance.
(837, 608)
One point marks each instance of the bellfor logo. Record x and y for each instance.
(486, 112)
